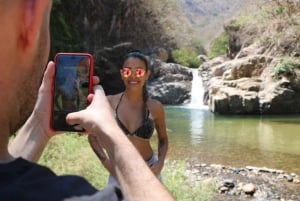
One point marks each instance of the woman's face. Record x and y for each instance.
(134, 73)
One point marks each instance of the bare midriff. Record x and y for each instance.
(143, 146)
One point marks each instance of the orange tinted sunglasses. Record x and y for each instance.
(139, 72)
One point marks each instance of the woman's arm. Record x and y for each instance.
(158, 114)
(100, 152)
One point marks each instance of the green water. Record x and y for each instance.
(200, 136)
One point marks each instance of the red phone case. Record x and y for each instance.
(71, 84)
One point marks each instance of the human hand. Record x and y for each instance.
(42, 110)
(33, 136)
(37, 127)
(97, 118)
(156, 168)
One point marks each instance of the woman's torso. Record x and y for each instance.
(134, 118)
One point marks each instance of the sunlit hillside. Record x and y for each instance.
(200, 20)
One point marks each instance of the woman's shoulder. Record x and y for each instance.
(114, 96)
(114, 99)
(156, 109)
(154, 104)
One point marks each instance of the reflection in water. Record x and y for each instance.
(266, 137)
(196, 125)
(279, 136)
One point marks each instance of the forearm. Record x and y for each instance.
(102, 156)
(30, 141)
(162, 151)
(108, 167)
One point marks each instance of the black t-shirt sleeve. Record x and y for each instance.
(110, 193)
(22, 180)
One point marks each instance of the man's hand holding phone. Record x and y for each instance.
(37, 130)
(71, 86)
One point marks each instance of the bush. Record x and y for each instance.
(186, 56)
(219, 46)
(286, 68)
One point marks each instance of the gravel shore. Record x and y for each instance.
(249, 183)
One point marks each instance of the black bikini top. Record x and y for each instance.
(145, 131)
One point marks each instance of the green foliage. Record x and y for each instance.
(186, 56)
(219, 46)
(282, 8)
(286, 68)
(240, 22)
(71, 154)
(279, 10)
(64, 37)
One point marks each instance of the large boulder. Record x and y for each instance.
(169, 83)
(234, 97)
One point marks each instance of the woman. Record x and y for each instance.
(137, 115)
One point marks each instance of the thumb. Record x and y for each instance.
(48, 76)
(74, 118)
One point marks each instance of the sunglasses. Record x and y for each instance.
(139, 72)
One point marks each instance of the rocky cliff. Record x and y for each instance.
(261, 72)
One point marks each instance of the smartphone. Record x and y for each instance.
(71, 86)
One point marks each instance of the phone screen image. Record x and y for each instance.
(72, 84)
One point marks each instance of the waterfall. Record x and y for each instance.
(197, 91)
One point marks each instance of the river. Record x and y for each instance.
(263, 141)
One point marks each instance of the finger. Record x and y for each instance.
(48, 75)
(99, 95)
(90, 98)
(98, 88)
(96, 80)
(73, 118)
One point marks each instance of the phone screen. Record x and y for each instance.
(72, 84)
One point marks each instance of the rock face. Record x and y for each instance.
(255, 77)
(170, 83)
(244, 86)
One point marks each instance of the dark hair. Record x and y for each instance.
(139, 55)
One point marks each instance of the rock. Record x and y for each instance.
(231, 98)
(250, 183)
(223, 189)
(170, 83)
(228, 183)
(228, 81)
(289, 178)
(249, 189)
(296, 180)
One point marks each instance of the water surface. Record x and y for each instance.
(263, 141)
